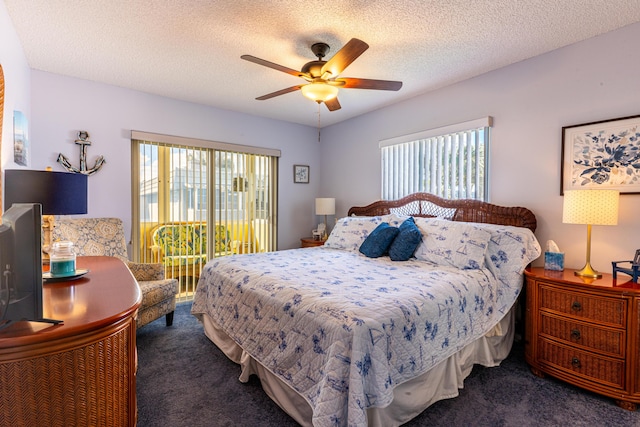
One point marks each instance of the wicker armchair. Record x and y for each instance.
(105, 236)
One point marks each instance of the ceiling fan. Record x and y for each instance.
(322, 76)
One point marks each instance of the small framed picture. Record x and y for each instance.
(20, 139)
(301, 174)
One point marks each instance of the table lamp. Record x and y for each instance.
(325, 206)
(59, 193)
(590, 207)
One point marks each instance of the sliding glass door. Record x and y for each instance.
(193, 203)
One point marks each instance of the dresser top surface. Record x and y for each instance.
(622, 284)
(107, 293)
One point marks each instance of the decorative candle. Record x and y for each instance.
(63, 259)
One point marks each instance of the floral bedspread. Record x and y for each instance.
(342, 329)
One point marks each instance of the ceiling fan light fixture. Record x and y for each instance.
(322, 76)
(319, 92)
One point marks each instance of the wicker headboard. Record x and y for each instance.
(428, 205)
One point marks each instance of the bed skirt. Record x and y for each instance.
(410, 398)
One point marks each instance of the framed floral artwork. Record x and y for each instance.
(301, 174)
(602, 155)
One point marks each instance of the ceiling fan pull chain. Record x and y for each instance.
(318, 121)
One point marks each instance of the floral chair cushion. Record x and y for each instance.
(92, 236)
(223, 238)
(186, 244)
(146, 272)
(181, 239)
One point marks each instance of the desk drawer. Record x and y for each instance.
(604, 340)
(599, 369)
(611, 311)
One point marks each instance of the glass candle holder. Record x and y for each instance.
(62, 259)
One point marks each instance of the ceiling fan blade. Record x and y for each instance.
(345, 56)
(280, 92)
(355, 83)
(333, 104)
(273, 65)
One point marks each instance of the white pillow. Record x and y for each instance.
(510, 250)
(351, 231)
(451, 243)
(393, 219)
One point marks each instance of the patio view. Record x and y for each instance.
(196, 203)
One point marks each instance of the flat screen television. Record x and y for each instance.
(21, 264)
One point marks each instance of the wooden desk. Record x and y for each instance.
(80, 372)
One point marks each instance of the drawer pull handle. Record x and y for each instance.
(575, 362)
(575, 334)
(576, 306)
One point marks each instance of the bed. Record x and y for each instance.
(341, 338)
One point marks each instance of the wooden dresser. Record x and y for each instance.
(83, 371)
(585, 332)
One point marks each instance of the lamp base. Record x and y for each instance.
(588, 271)
(325, 236)
(47, 228)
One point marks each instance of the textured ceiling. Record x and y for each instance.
(190, 49)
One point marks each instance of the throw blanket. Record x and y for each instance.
(343, 330)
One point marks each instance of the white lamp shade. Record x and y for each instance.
(593, 207)
(325, 206)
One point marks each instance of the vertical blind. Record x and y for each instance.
(449, 162)
(245, 192)
(215, 199)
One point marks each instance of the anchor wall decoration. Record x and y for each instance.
(82, 141)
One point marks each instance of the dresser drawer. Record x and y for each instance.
(605, 340)
(600, 369)
(599, 309)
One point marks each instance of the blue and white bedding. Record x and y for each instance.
(343, 330)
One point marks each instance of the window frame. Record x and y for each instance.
(415, 153)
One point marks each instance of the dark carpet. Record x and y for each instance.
(184, 380)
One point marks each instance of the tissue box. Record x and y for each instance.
(554, 261)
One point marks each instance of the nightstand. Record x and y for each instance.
(309, 242)
(585, 332)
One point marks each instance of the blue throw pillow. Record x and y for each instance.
(378, 242)
(406, 242)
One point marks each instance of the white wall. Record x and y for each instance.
(61, 106)
(16, 81)
(530, 102)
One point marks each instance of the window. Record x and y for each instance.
(450, 162)
(195, 200)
